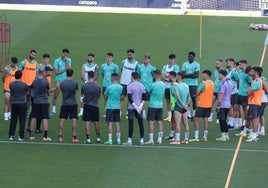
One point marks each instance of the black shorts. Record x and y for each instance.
(263, 105)
(147, 96)
(202, 112)
(193, 90)
(68, 111)
(234, 98)
(242, 100)
(40, 111)
(124, 91)
(91, 113)
(167, 93)
(254, 111)
(222, 114)
(29, 92)
(215, 95)
(180, 109)
(155, 114)
(132, 113)
(103, 90)
(112, 115)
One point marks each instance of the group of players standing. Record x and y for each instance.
(238, 85)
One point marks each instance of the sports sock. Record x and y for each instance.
(196, 134)
(169, 114)
(194, 113)
(178, 137)
(230, 121)
(81, 110)
(6, 115)
(97, 135)
(87, 136)
(59, 136)
(245, 129)
(223, 135)
(110, 137)
(54, 109)
(211, 115)
(236, 121)
(189, 113)
(151, 136)
(239, 122)
(144, 113)
(45, 134)
(31, 133)
(244, 122)
(262, 129)
(171, 133)
(9, 114)
(118, 135)
(205, 134)
(74, 136)
(186, 136)
(160, 135)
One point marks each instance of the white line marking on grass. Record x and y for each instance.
(134, 146)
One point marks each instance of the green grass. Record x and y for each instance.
(197, 165)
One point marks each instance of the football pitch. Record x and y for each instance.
(38, 164)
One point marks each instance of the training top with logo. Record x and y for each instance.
(217, 81)
(183, 91)
(244, 83)
(89, 67)
(18, 92)
(146, 75)
(60, 64)
(10, 76)
(107, 69)
(226, 90)
(68, 89)
(157, 94)
(255, 97)
(167, 69)
(191, 68)
(29, 70)
(114, 93)
(233, 76)
(136, 89)
(40, 88)
(205, 97)
(91, 92)
(127, 68)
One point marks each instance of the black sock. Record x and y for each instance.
(87, 136)
(74, 137)
(60, 136)
(31, 133)
(98, 135)
(45, 134)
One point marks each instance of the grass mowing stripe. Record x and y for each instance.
(133, 146)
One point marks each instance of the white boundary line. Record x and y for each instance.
(133, 146)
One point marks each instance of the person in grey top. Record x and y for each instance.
(40, 107)
(18, 92)
(68, 109)
(91, 91)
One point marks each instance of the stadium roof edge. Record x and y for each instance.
(59, 8)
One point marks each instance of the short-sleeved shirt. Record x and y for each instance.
(107, 69)
(114, 93)
(60, 65)
(217, 81)
(18, 92)
(183, 91)
(89, 67)
(40, 87)
(244, 83)
(127, 68)
(157, 94)
(226, 90)
(136, 89)
(146, 75)
(264, 97)
(234, 77)
(190, 68)
(22, 65)
(167, 69)
(68, 89)
(91, 92)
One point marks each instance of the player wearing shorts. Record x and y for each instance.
(224, 105)
(61, 65)
(217, 83)
(136, 97)
(68, 109)
(18, 92)
(155, 108)
(171, 66)
(205, 101)
(146, 77)
(8, 76)
(113, 94)
(181, 91)
(89, 65)
(107, 69)
(244, 83)
(190, 70)
(264, 102)
(233, 76)
(40, 106)
(254, 102)
(128, 66)
(91, 92)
